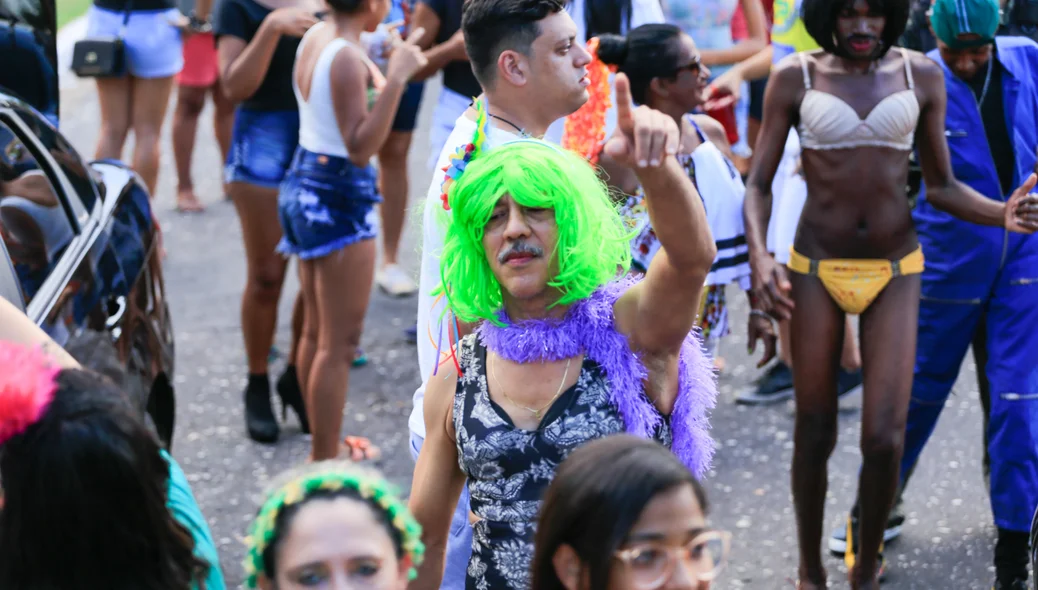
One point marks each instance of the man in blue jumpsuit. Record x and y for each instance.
(981, 283)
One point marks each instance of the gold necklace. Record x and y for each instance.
(536, 413)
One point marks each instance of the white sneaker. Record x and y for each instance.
(394, 281)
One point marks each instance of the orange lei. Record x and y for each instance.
(585, 129)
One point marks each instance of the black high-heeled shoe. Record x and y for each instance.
(292, 397)
(259, 415)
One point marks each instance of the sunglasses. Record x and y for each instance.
(695, 66)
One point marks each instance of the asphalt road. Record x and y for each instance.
(948, 536)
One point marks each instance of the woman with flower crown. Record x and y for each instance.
(332, 524)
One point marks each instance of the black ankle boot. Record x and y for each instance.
(259, 416)
(292, 397)
(1011, 560)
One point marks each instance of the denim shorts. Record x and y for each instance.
(261, 147)
(325, 204)
(153, 45)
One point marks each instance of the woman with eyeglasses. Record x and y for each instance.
(667, 74)
(623, 513)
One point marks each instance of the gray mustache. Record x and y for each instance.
(519, 248)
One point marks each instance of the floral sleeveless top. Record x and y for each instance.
(509, 469)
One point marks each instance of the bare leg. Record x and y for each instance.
(190, 101)
(223, 122)
(817, 331)
(392, 159)
(888, 336)
(393, 178)
(257, 211)
(150, 101)
(308, 333)
(297, 329)
(115, 96)
(850, 358)
(342, 285)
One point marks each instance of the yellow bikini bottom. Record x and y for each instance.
(855, 283)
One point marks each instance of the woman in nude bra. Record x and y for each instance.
(859, 105)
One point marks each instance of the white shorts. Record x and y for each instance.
(154, 48)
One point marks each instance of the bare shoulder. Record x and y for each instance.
(790, 67)
(347, 59)
(928, 76)
(787, 76)
(440, 388)
(712, 128)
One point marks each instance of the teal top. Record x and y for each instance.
(185, 509)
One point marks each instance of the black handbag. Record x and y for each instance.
(102, 57)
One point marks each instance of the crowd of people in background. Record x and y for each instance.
(601, 172)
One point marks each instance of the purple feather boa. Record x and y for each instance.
(588, 328)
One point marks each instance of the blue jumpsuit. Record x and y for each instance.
(973, 271)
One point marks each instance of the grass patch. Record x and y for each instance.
(70, 10)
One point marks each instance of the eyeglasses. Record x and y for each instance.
(695, 66)
(651, 564)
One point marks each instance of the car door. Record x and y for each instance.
(103, 284)
(41, 230)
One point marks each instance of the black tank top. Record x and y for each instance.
(509, 469)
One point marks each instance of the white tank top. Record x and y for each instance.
(318, 127)
(722, 191)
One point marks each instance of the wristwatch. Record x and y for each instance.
(198, 25)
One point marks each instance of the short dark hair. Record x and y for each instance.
(597, 495)
(85, 493)
(820, 17)
(647, 52)
(493, 26)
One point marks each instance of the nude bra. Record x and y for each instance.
(827, 122)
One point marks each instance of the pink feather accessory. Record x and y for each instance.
(28, 380)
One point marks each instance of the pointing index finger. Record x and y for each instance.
(624, 103)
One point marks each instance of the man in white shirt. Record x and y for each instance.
(533, 70)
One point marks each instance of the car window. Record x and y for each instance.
(65, 155)
(33, 224)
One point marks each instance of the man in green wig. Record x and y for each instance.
(568, 349)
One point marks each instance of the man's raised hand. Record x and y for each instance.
(645, 137)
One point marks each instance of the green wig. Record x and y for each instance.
(593, 243)
(328, 479)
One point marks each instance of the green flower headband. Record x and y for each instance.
(369, 486)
